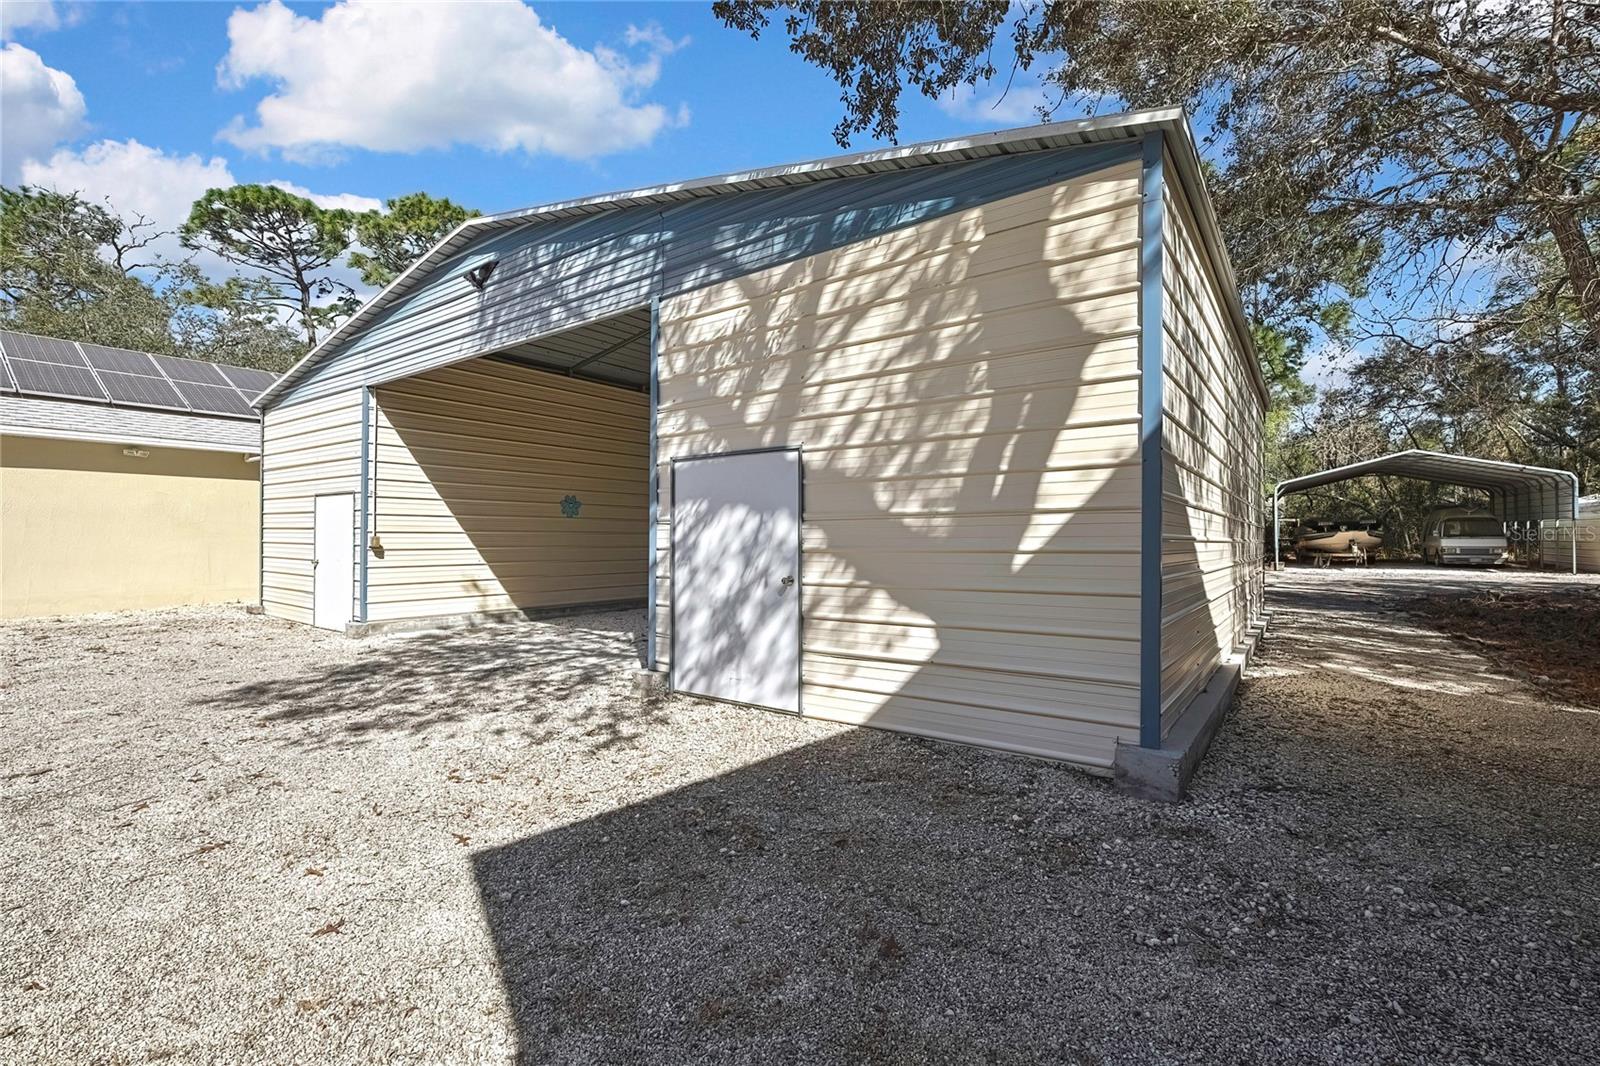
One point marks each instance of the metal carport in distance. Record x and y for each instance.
(1518, 493)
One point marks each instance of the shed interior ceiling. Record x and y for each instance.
(615, 351)
(1518, 493)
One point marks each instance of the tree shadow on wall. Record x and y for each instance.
(967, 401)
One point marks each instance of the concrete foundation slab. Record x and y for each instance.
(1163, 773)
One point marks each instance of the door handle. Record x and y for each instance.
(786, 581)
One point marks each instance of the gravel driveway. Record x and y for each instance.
(231, 840)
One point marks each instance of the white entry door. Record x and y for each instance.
(333, 537)
(736, 578)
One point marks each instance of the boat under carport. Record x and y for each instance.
(1529, 495)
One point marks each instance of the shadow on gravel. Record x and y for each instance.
(1341, 889)
(875, 899)
(866, 899)
(542, 678)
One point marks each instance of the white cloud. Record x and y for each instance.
(25, 15)
(1328, 365)
(404, 77)
(137, 179)
(653, 37)
(39, 108)
(347, 201)
(996, 105)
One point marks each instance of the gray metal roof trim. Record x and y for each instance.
(1075, 133)
(1191, 174)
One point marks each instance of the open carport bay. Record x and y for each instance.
(235, 839)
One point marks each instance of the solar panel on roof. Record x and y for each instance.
(246, 380)
(53, 379)
(120, 359)
(41, 349)
(141, 389)
(48, 366)
(213, 399)
(190, 370)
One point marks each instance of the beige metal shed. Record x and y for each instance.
(966, 437)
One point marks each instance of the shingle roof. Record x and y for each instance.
(26, 416)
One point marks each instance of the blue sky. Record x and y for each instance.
(495, 106)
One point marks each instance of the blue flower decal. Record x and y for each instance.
(570, 505)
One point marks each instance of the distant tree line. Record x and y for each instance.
(80, 270)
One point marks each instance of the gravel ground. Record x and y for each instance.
(232, 840)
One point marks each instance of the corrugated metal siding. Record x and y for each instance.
(966, 393)
(470, 464)
(553, 275)
(308, 450)
(1555, 543)
(1212, 578)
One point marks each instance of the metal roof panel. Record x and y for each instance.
(1557, 489)
(1076, 133)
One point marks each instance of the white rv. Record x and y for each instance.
(1460, 536)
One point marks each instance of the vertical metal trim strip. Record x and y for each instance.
(654, 490)
(672, 575)
(366, 489)
(800, 583)
(1151, 445)
(1573, 503)
(261, 516)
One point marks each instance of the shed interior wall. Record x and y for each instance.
(470, 467)
(1212, 539)
(966, 391)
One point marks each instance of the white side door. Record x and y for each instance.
(333, 560)
(736, 578)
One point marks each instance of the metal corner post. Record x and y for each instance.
(654, 489)
(1575, 490)
(364, 515)
(1151, 445)
(1277, 526)
(261, 516)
